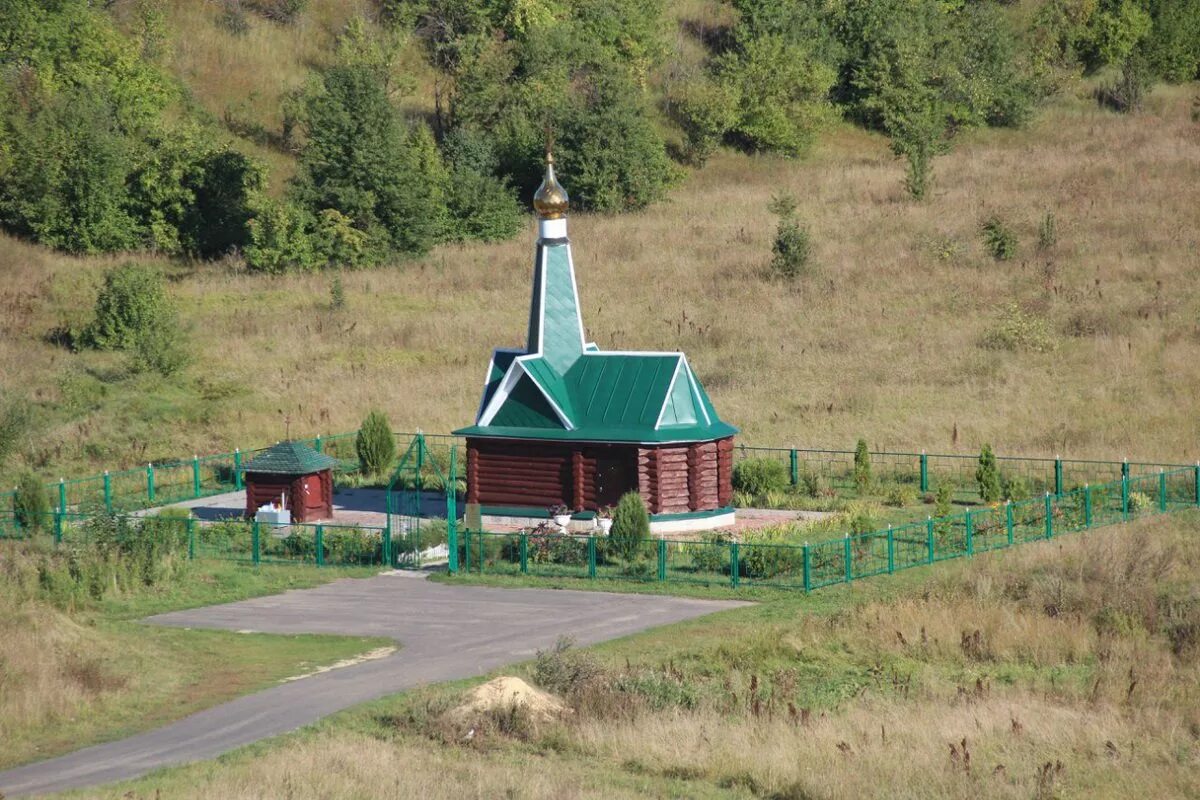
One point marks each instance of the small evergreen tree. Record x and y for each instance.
(375, 445)
(791, 246)
(337, 294)
(862, 465)
(631, 525)
(987, 475)
(943, 498)
(31, 504)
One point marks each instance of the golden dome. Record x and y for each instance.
(550, 200)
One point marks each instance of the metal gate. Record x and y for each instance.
(422, 507)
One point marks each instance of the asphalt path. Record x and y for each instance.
(445, 632)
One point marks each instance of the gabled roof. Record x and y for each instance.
(290, 458)
(560, 386)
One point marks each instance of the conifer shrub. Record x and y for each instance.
(31, 503)
(791, 248)
(1015, 488)
(987, 475)
(375, 444)
(337, 294)
(631, 526)
(943, 499)
(862, 466)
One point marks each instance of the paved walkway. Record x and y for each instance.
(446, 633)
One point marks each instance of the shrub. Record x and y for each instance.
(375, 444)
(813, 483)
(283, 11)
(631, 525)
(31, 503)
(987, 475)
(564, 670)
(705, 109)
(1139, 501)
(758, 476)
(337, 294)
(943, 499)
(770, 553)
(1015, 488)
(900, 495)
(162, 349)
(1128, 90)
(16, 419)
(1047, 231)
(1018, 330)
(132, 301)
(998, 239)
(711, 555)
(862, 466)
(791, 246)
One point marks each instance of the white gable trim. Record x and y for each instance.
(487, 375)
(515, 371)
(696, 392)
(667, 400)
(566, 422)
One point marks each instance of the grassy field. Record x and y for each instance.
(70, 678)
(1063, 669)
(818, 362)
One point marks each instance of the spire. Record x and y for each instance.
(555, 322)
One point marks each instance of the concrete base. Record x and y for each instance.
(668, 523)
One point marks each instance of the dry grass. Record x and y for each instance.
(1072, 688)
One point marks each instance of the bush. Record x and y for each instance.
(987, 475)
(31, 503)
(375, 444)
(791, 246)
(162, 349)
(132, 301)
(564, 670)
(337, 294)
(1018, 330)
(1015, 488)
(943, 499)
(1139, 501)
(759, 476)
(862, 466)
(998, 239)
(705, 109)
(900, 495)
(711, 555)
(16, 419)
(631, 526)
(770, 553)
(1047, 232)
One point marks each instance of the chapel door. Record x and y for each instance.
(313, 496)
(615, 474)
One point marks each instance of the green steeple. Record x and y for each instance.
(555, 323)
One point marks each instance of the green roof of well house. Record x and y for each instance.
(290, 458)
(560, 386)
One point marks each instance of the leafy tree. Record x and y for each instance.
(31, 504)
(631, 526)
(1172, 48)
(375, 444)
(706, 109)
(987, 475)
(862, 465)
(480, 205)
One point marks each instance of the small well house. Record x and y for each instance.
(293, 475)
(562, 422)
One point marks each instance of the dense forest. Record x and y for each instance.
(102, 148)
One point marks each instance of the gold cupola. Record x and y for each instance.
(550, 200)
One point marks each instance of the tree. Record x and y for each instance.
(791, 246)
(375, 444)
(31, 504)
(987, 475)
(631, 525)
(862, 465)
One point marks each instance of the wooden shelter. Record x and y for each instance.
(562, 422)
(295, 472)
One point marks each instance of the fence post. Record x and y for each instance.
(662, 559)
(255, 546)
(924, 472)
(807, 570)
(319, 544)
(1197, 480)
(525, 553)
(62, 494)
(1087, 506)
(848, 557)
(795, 468)
(1162, 490)
(1125, 467)
(929, 538)
(467, 549)
(317, 444)
(1049, 516)
(150, 483)
(734, 565)
(195, 475)
(108, 505)
(591, 555)
(451, 512)
(1008, 520)
(969, 524)
(58, 526)
(1058, 476)
(891, 551)
(237, 469)
(191, 537)
(1125, 497)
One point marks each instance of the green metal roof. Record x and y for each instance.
(290, 458)
(564, 388)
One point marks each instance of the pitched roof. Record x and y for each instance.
(290, 458)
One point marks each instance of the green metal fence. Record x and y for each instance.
(841, 559)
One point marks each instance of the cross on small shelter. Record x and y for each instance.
(297, 473)
(562, 422)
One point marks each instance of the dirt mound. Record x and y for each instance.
(504, 694)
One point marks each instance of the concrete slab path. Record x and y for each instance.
(446, 633)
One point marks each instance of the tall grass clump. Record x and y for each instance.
(31, 503)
